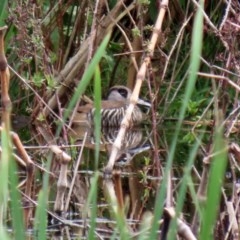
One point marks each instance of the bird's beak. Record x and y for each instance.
(144, 103)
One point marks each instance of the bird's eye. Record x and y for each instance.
(123, 92)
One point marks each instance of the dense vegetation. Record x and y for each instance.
(61, 52)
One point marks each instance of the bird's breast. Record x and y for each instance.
(112, 117)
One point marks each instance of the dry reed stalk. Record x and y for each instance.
(220, 78)
(183, 230)
(233, 226)
(77, 25)
(140, 77)
(75, 173)
(63, 159)
(201, 193)
(5, 77)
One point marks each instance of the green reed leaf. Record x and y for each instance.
(88, 74)
(15, 202)
(40, 221)
(97, 115)
(217, 171)
(3, 12)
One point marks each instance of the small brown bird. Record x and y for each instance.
(112, 110)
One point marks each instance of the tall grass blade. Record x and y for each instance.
(116, 210)
(217, 170)
(16, 207)
(92, 204)
(4, 165)
(87, 76)
(186, 180)
(97, 114)
(40, 221)
(97, 132)
(3, 12)
(194, 66)
(3, 234)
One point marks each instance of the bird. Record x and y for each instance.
(135, 141)
(112, 110)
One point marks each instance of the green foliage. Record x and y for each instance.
(51, 83)
(106, 66)
(55, 41)
(38, 79)
(136, 32)
(3, 12)
(189, 138)
(193, 107)
(144, 2)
